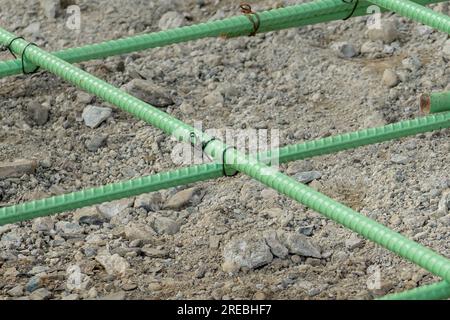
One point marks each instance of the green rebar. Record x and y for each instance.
(435, 102)
(134, 187)
(436, 291)
(330, 208)
(417, 12)
(277, 19)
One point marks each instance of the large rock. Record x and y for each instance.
(249, 252)
(37, 114)
(149, 92)
(164, 225)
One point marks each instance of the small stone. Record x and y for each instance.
(37, 270)
(149, 201)
(248, 252)
(259, 296)
(230, 267)
(33, 28)
(354, 242)
(307, 177)
(412, 63)
(84, 97)
(94, 116)
(44, 224)
(117, 296)
(214, 242)
(387, 33)
(35, 283)
(17, 168)
(164, 225)
(89, 216)
(51, 8)
(183, 198)
(113, 264)
(444, 203)
(129, 287)
(399, 159)
(344, 49)
(149, 92)
(96, 142)
(134, 231)
(170, 20)
(275, 245)
(40, 294)
(69, 229)
(111, 209)
(154, 252)
(298, 244)
(214, 98)
(37, 114)
(17, 291)
(390, 78)
(372, 47)
(154, 286)
(446, 49)
(76, 280)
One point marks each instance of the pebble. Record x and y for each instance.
(17, 168)
(444, 203)
(35, 282)
(134, 231)
(184, 198)
(412, 63)
(89, 216)
(84, 97)
(248, 252)
(446, 49)
(44, 224)
(149, 92)
(372, 47)
(113, 264)
(164, 225)
(51, 8)
(170, 20)
(37, 114)
(354, 242)
(69, 229)
(399, 159)
(214, 98)
(390, 78)
(40, 294)
(387, 33)
(307, 177)
(275, 245)
(344, 49)
(17, 291)
(76, 280)
(96, 142)
(154, 252)
(111, 209)
(298, 244)
(93, 116)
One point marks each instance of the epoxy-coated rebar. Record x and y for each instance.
(134, 187)
(330, 208)
(435, 102)
(436, 291)
(417, 12)
(293, 16)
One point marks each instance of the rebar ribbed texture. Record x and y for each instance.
(293, 16)
(417, 12)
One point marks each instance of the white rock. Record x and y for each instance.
(111, 209)
(76, 280)
(390, 78)
(170, 20)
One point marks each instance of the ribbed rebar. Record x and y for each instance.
(435, 102)
(436, 291)
(115, 191)
(293, 16)
(330, 208)
(417, 12)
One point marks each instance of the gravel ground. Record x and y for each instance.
(230, 238)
